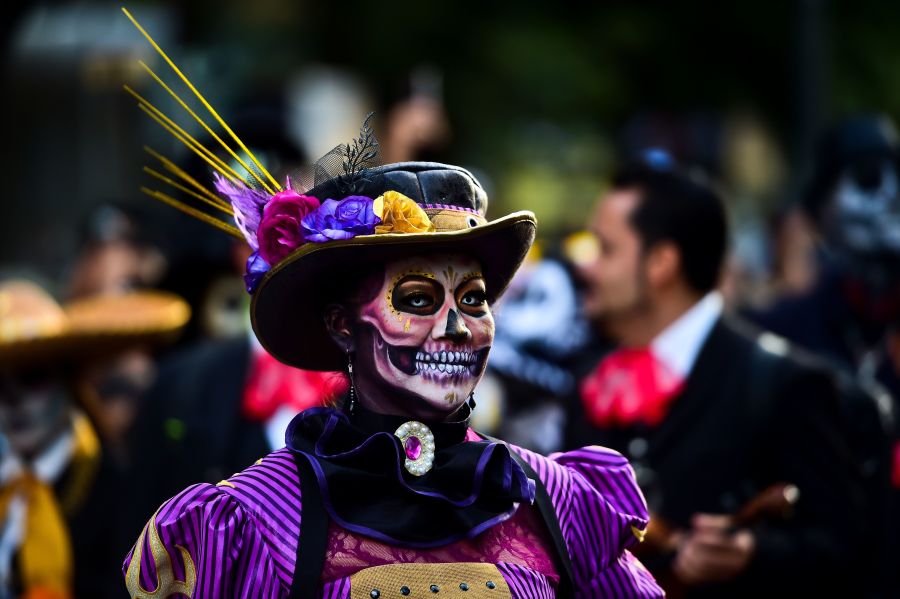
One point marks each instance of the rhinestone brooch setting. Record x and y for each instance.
(418, 445)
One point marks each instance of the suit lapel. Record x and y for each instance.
(687, 410)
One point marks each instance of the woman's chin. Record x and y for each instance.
(432, 405)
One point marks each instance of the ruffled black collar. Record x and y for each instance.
(365, 488)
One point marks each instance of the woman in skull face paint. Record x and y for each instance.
(421, 340)
(392, 494)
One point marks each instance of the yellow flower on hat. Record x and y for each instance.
(400, 214)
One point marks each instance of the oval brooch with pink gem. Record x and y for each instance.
(418, 445)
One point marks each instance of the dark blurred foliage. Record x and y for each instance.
(540, 96)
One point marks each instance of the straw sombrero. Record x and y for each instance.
(287, 306)
(35, 330)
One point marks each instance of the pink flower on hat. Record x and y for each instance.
(279, 232)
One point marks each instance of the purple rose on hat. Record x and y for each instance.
(343, 219)
(279, 231)
(256, 269)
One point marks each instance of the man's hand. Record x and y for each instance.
(712, 552)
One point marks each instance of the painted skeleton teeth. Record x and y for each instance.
(441, 369)
(447, 357)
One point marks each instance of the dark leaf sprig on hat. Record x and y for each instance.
(360, 153)
(346, 164)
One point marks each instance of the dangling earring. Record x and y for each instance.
(471, 401)
(352, 407)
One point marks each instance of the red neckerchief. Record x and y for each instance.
(629, 386)
(271, 385)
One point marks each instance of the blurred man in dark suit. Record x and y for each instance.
(851, 313)
(737, 442)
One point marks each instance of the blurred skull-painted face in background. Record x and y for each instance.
(425, 336)
(33, 409)
(862, 223)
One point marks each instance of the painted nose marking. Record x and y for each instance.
(455, 327)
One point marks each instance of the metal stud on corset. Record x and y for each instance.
(418, 445)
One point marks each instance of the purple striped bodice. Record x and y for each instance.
(239, 538)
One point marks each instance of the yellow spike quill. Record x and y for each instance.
(178, 172)
(191, 211)
(201, 98)
(206, 127)
(186, 138)
(180, 187)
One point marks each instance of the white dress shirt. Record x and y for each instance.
(678, 345)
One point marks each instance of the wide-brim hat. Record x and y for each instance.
(287, 309)
(36, 331)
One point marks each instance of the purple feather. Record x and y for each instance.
(247, 204)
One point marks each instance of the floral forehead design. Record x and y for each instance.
(274, 220)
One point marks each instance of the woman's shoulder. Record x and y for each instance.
(593, 467)
(592, 487)
(267, 494)
(268, 488)
(601, 513)
(255, 512)
(271, 484)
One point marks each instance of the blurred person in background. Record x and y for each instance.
(60, 492)
(114, 258)
(849, 312)
(724, 426)
(853, 199)
(416, 127)
(540, 331)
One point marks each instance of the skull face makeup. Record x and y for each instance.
(422, 342)
(861, 227)
(864, 219)
(32, 410)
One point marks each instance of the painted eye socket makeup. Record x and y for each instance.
(471, 297)
(417, 295)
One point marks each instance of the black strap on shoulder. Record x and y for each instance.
(313, 541)
(551, 521)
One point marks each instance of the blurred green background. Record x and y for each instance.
(541, 99)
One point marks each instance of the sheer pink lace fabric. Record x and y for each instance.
(521, 540)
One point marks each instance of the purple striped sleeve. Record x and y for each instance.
(525, 583)
(235, 539)
(337, 589)
(601, 513)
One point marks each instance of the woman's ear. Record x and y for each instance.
(340, 326)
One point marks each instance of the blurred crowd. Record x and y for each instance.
(755, 397)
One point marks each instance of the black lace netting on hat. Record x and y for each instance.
(346, 164)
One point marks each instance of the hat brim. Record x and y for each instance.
(287, 308)
(100, 327)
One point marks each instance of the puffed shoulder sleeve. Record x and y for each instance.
(601, 513)
(201, 543)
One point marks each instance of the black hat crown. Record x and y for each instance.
(429, 184)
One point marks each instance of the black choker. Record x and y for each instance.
(362, 463)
